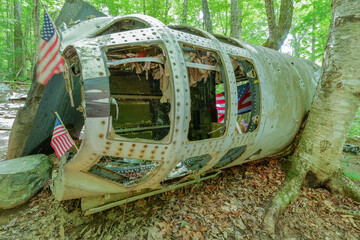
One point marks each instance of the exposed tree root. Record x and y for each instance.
(289, 192)
(355, 214)
(341, 185)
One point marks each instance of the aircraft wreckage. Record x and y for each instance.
(167, 106)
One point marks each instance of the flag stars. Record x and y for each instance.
(48, 29)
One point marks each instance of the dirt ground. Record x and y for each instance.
(230, 206)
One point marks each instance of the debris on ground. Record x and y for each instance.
(231, 206)
(350, 148)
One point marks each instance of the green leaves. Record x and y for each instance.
(308, 34)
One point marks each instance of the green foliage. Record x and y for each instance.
(355, 128)
(310, 27)
(350, 167)
(305, 41)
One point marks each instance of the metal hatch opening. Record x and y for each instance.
(140, 92)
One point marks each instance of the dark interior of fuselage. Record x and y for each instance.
(138, 107)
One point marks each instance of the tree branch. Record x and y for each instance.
(278, 31)
(270, 15)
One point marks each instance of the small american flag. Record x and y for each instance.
(244, 98)
(244, 124)
(220, 106)
(50, 62)
(244, 101)
(60, 141)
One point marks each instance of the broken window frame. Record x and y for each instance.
(220, 67)
(254, 84)
(171, 100)
(126, 172)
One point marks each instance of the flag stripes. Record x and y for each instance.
(60, 141)
(220, 106)
(244, 101)
(50, 62)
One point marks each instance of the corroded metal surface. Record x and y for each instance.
(282, 89)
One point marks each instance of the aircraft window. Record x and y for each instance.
(140, 92)
(206, 75)
(248, 94)
(123, 26)
(125, 171)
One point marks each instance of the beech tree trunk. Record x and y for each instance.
(36, 19)
(337, 101)
(225, 28)
(184, 13)
(18, 38)
(8, 37)
(206, 17)
(317, 156)
(278, 30)
(313, 40)
(236, 20)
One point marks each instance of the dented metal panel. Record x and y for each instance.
(153, 98)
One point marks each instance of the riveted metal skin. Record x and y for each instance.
(286, 86)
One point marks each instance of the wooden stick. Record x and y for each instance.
(57, 115)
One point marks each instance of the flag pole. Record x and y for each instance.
(57, 115)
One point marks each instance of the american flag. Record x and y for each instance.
(244, 101)
(50, 62)
(244, 98)
(220, 106)
(60, 141)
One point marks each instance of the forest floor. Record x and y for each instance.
(230, 206)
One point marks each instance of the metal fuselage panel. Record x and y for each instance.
(286, 84)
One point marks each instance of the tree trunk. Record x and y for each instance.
(338, 98)
(236, 20)
(226, 23)
(166, 11)
(313, 41)
(206, 17)
(144, 7)
(18, 38)
(317, 156)
(295, 45)
(36, 19)
(8, 37)
(184, 12)
(278, 31)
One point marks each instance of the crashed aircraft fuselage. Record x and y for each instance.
(165, 106)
